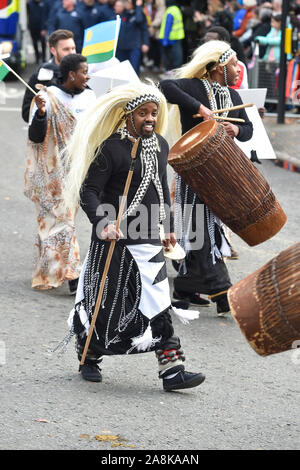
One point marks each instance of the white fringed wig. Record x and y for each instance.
(100, 121)
(204, 60)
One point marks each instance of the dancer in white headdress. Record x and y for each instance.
(134, 314)
(202, 86)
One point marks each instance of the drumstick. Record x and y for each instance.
(239, 106)
(229, 119)
(223, 118)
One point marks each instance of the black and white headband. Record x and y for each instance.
(136, 102)
(226, 56)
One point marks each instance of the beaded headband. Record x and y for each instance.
(136, 102)
(226, 56)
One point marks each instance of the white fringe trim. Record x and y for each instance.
(185, 316)
(83, 318)
(145, 341)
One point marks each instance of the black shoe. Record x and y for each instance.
(73, 286)
(194, 299)
(91, 372)
(184, 304)
(222, 306)
(183, 380)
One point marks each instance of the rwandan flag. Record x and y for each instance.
(3, 71)
(100, 41)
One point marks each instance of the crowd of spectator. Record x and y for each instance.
(162, 34)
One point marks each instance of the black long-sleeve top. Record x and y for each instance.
(104, 187)
(190, 93)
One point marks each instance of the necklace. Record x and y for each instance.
(149, 162)
(216, 91)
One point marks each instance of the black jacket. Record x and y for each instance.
(134, 30)
(104, 186)
(38, 15)
(189, 94)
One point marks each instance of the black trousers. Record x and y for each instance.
(202, 275)
(36, 39)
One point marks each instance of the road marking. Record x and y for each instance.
(7, 108)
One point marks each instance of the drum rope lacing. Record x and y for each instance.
(285, 320)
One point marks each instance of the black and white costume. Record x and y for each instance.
(134, 315)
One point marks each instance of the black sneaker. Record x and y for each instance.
(91, 372)
(183, 380)
(194, 299)
(73, 286)
(184, 304)
(222, 306)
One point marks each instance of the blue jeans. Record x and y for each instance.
(133, 55)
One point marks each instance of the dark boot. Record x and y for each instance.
(182, 380)
(91, 372)
(194, 299)
(222, 304)
(73, 286)
(171, 368)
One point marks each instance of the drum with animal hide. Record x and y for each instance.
(266, 304)
(218, 171)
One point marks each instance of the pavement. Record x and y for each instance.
(246, 401)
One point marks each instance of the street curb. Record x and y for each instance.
(287, 162)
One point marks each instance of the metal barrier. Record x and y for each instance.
(265, 75)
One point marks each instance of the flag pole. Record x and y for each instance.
(18, 76)
(118, 20)
(117, 34)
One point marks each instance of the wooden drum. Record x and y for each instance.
(266, 304)
(218, 171)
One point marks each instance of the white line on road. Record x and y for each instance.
(7, 108)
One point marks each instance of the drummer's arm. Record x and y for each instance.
(246, 128)
(174, 91)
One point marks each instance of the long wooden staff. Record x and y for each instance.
(239, 106)
(110, 251)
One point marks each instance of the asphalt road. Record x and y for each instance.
(246, 402)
